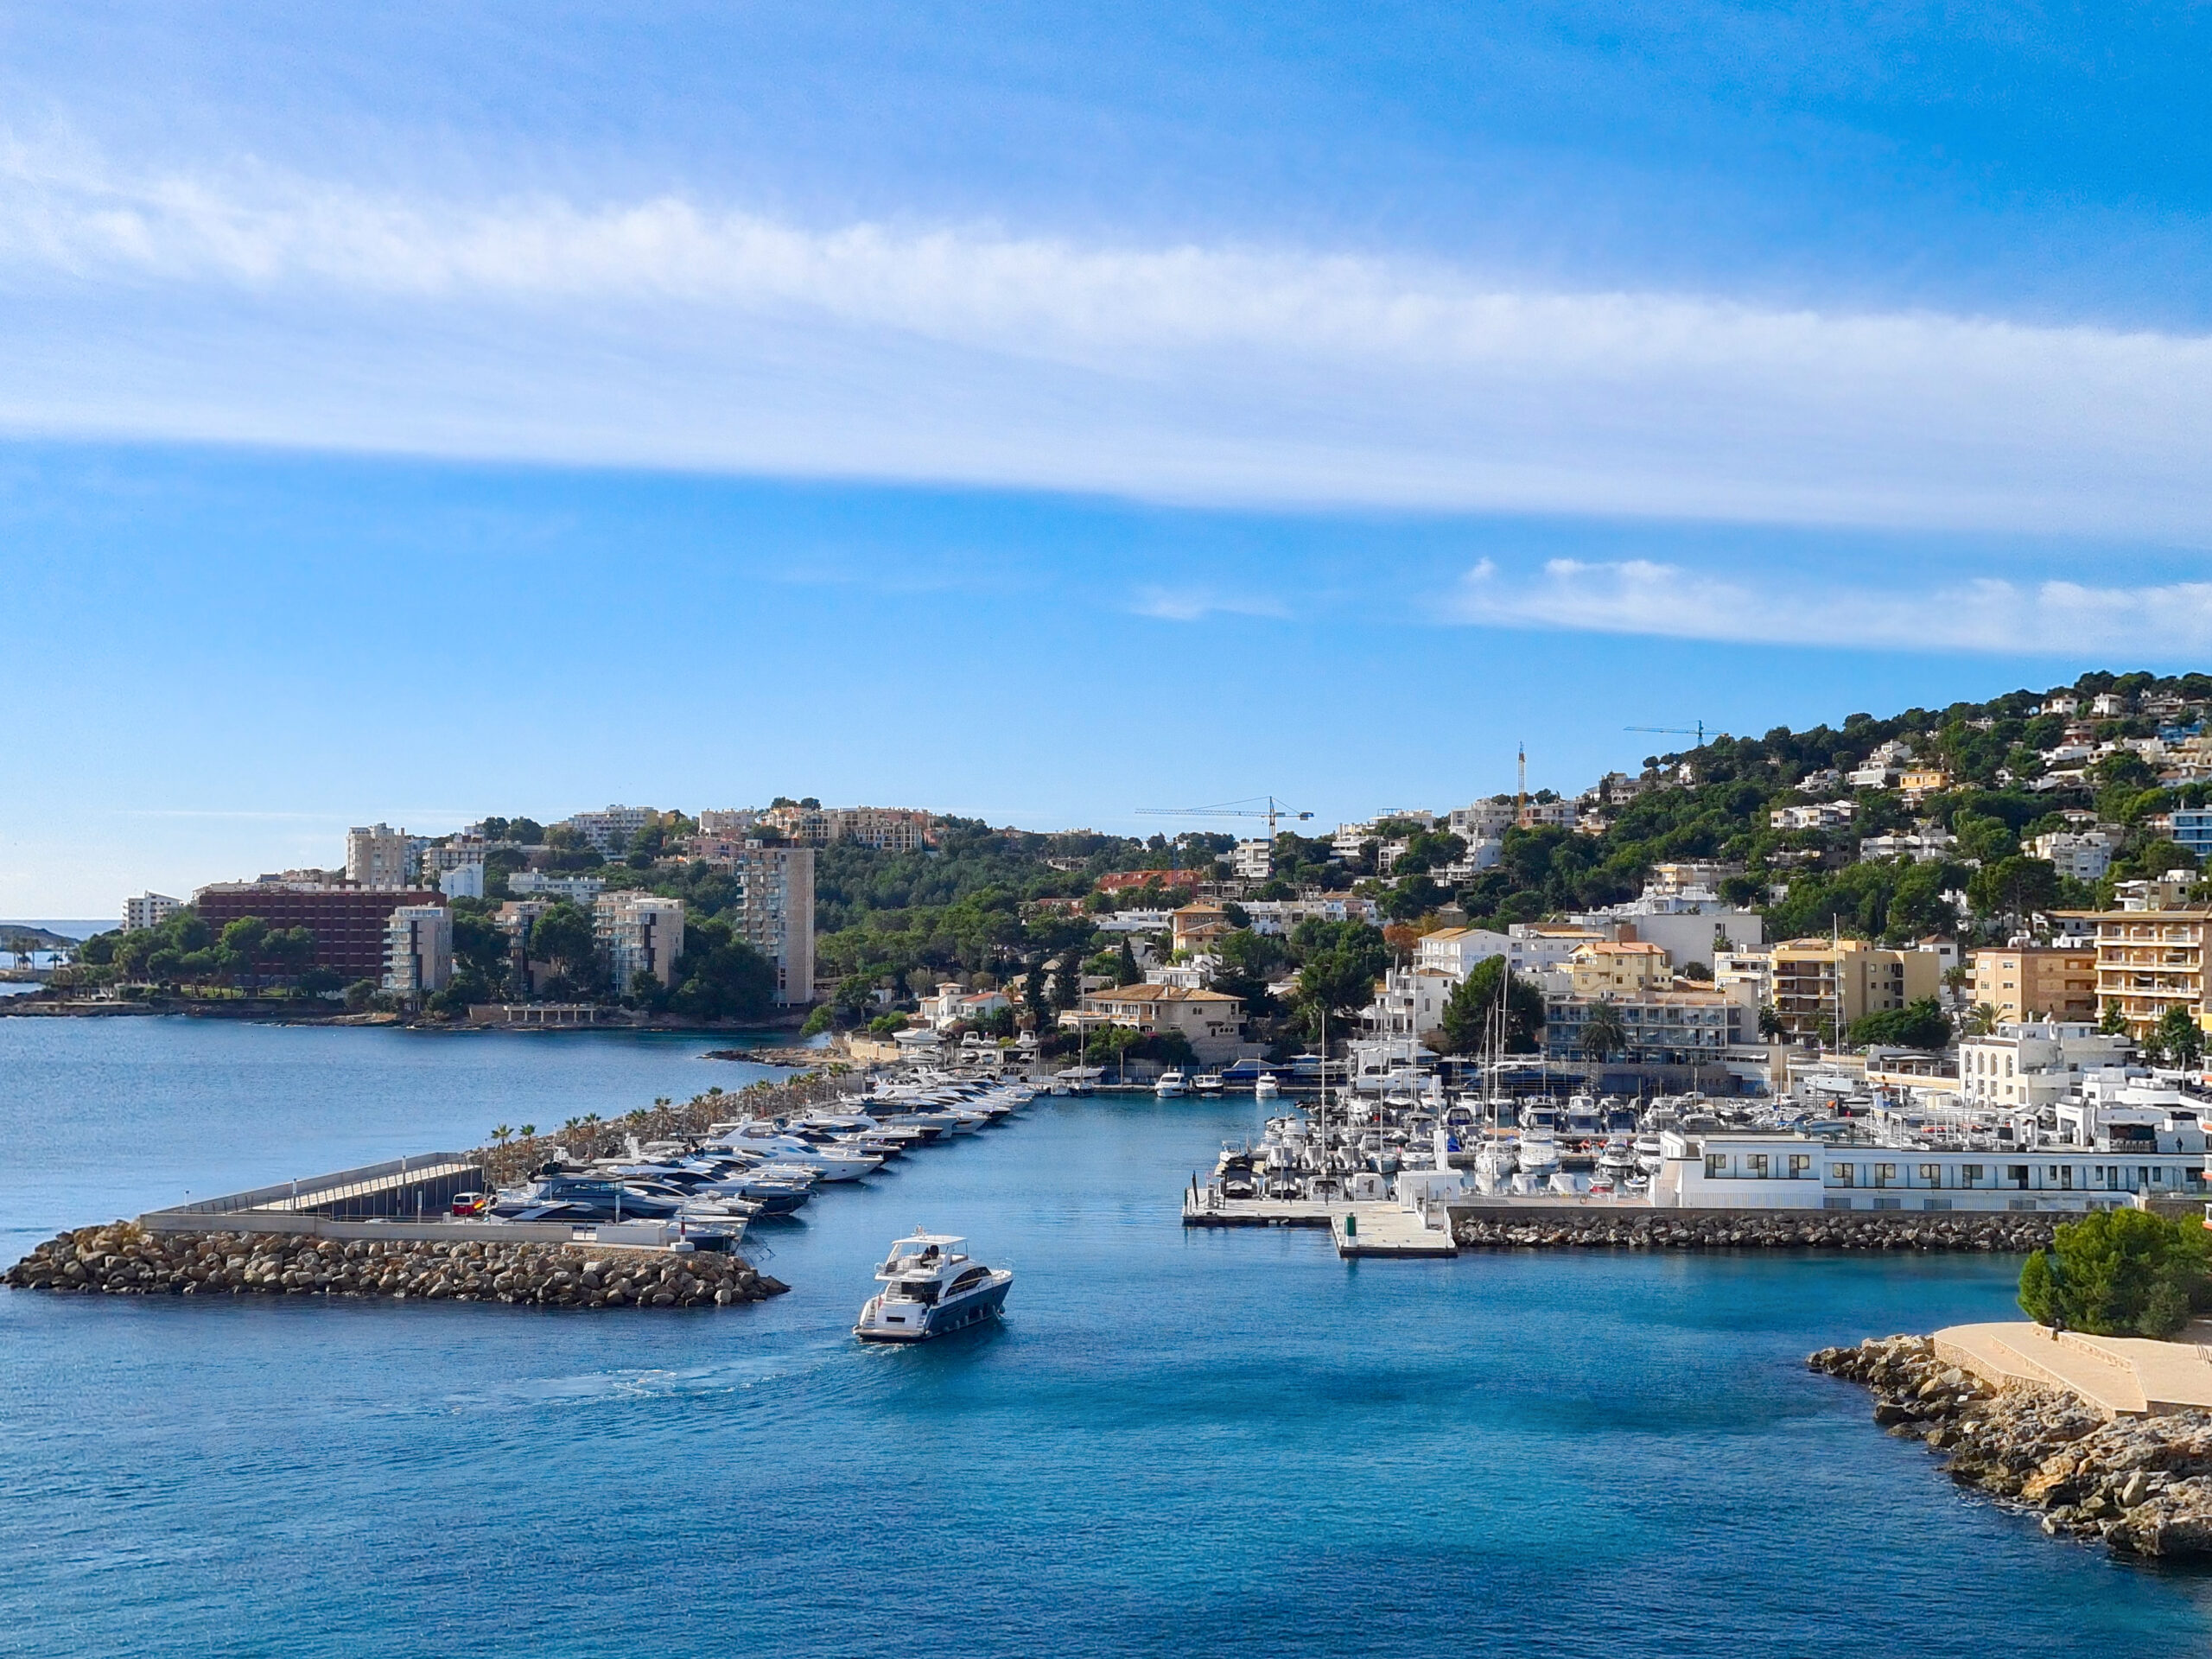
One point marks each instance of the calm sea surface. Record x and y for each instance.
(1177, 1444)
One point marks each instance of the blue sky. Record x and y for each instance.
(1038, 413)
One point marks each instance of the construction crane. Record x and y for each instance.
(1251, 807)
(1674, 731)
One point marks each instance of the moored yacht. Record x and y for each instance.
(1264, 1087)
(1170, 1082)
(930, 1286)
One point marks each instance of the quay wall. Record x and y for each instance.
(124, 1259)
(1576, 1227)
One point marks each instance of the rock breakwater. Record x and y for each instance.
(2143, 1485)
(126, 1260)
(1998, 1232)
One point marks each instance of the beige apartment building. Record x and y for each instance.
(2149, 961)
(1844, 981)
(1618, 970)
(2058, 981)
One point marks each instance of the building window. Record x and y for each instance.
(1755, 1166)
(1716, 1164)
(1843, 1174)
(1885, 1173)
(1931, 1174)
(1801, 1166)
(1969, 1174)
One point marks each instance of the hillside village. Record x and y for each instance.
(1887, 886)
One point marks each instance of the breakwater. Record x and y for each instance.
(2142, 1486)
(124, 1259)
(1563, 1228)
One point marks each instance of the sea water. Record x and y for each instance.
(1176, 1443)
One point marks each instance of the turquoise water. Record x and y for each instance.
(1176, 1443)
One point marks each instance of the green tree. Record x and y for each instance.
(1469, 1009)
(2013, 888)
(1771, 1025)
(1340, 963)
(1604, 1035)
(1250, 962)
(2114, 1021)
(1126, 972)
(2179, 1039)
(1917, 1025)
(720, 977)
(2117, 1273)
(241, 947)
(563, 935)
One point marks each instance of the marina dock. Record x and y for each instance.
(1374, 1228)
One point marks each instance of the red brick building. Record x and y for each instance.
(348, 923)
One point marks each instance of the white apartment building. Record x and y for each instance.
(1529, 948)
(737, 821)
(538, 884)
(1689, 926)
(381, 856)
(1924, 843)
(2085, 855)
(1815, 815)
(148, 910)
(1484, 820)
(417, 950)
(2034, 1063)
(641, 933)
(462, 881)
(1410, 1003)
(1253, 860)
(1282, 915)
(609, 833)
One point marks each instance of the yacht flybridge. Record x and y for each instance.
(930, 1286)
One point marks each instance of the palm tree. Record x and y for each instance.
(1982, 1020)
(502, 1135)
(529, 1130)
(1604, 1035)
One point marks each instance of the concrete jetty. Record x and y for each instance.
(1363, 1227)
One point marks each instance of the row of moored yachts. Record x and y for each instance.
(757, 1168)
(1352, 1148)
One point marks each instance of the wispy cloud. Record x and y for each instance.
(1636, 596)
(248, 306)
(1196, 604)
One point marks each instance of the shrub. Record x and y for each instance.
(2118, 1273)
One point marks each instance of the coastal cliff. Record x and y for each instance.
(126, 1260)
(2141, 1486)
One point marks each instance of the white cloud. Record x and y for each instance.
(1637, 596)
(255, 307)
(1196, 604)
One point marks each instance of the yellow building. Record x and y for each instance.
(1199, 927)
(1818, 979)
(1609, 969)
(2149, 961)
(1917, 783)
(2060, 981)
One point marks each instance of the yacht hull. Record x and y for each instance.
(910, 1322)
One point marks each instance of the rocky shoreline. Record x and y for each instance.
(2142, 1486)
(1998, 1232)
(126, 1259)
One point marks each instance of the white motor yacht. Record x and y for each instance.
(1170, 1082)
(828, 1164)
(1206, 1082)
(929, 1287)
(1265, 1087)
